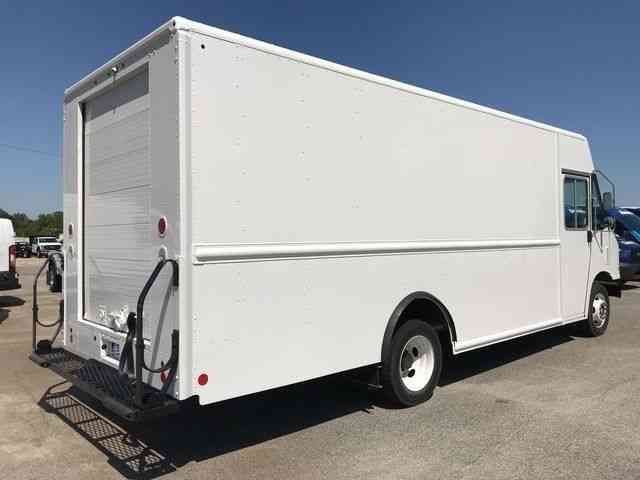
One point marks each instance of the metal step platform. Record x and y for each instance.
(107, 385)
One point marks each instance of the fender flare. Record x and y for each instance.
(400, 308)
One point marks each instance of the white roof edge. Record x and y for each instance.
(180, 23)
(167, 26)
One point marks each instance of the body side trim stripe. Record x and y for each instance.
(212, 253)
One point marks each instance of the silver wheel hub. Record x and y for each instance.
(599, 310)
(417, 363)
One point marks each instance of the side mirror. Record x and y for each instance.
(610, 223)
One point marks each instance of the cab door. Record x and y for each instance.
(576, 239)
(604, 246)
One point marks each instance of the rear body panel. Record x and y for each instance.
(121, 175)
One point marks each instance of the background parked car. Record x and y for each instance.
(628, 234)
(23, 249)
(629, 260)
(634, 210)
(41, 246)
(627, 224)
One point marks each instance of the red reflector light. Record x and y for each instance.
(12, 258)
(163, 377)
(203, 379)
(162, 226)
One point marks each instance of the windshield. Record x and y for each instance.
(48, 240)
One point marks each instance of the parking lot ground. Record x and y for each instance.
(551, 405)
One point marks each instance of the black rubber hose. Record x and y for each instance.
(140, 311)
(125, 365)
(35, 308)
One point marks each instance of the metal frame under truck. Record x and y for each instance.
(239, 217)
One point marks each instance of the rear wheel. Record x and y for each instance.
(599, 311)
(412, 369)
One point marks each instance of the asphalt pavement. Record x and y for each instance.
(551, 405)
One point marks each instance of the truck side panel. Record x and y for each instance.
(320, 200)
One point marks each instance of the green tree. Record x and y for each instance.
(22, 224)
(46, 224)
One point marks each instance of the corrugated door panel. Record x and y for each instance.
(117, 174)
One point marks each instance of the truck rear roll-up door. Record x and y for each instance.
(117, 194)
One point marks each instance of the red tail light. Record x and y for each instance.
(12, 258)
(162, 226)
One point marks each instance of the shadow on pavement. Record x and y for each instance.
(150, 450)
(10, 301)
(127, 454)
(465, 365)
(4, 314)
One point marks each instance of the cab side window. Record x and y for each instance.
(576, 203)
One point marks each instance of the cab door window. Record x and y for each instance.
(576, 203)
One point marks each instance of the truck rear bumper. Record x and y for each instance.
(106, 385)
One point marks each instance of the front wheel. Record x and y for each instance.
(412, 369)
(599, 311)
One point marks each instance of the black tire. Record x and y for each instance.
(56, 284)
(393, 384)
(597, 321)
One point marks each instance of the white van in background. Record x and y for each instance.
(8, 275)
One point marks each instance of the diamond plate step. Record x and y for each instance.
(105, 384)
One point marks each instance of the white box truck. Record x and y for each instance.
(312, 219)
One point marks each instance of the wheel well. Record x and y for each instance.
(425, 307)
(603, 277)
(612, 286)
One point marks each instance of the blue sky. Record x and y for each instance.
(574, 64)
